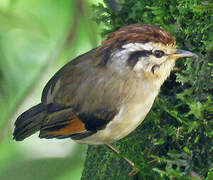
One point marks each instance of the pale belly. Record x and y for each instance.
(128, 119)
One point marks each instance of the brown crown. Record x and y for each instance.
(141, 33)
(135, 33)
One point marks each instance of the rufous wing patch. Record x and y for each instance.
(64, 129)
(72, 127)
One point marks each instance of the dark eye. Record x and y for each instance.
(158, 53)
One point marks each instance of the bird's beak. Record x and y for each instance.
(182, 53)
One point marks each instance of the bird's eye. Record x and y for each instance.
(158, 53)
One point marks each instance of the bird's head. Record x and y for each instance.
(142, 48)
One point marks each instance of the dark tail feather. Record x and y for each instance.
(29, 122)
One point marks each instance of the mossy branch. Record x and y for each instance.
(177, 135)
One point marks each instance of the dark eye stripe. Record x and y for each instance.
(134, 57)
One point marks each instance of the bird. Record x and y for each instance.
(103, 95)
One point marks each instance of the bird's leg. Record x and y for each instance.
(118, 153)
(134, 169)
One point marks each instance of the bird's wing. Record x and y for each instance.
(62, 122)
(81, 98)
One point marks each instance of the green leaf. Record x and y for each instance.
(196, 109)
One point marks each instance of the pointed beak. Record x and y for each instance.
(182, 53)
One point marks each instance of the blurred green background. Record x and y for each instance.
(37, 37)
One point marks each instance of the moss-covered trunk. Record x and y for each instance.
(176, 138)
(102, 164)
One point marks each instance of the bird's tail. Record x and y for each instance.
(29, 122)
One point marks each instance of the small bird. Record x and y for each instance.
(104, 94)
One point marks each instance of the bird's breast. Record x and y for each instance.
(128, 119)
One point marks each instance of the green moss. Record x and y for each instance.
(176, 138)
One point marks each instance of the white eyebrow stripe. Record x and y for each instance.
(138, 46)
(150, 46)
